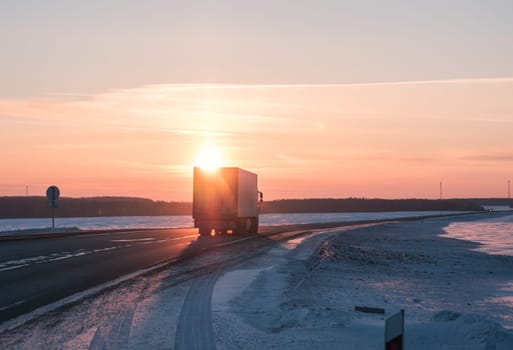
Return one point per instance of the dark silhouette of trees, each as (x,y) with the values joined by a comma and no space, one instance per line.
(327,205)
(34,207)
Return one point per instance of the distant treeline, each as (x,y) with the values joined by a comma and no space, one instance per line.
(35,207)
(367,205)
(494,201)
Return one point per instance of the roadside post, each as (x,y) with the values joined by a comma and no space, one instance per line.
(53,193)
(394,332)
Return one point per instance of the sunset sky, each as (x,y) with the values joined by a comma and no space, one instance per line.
(320,98)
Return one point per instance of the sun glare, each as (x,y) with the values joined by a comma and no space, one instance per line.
(210,159)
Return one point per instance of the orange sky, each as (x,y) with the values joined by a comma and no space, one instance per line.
(321,99)
(389,140)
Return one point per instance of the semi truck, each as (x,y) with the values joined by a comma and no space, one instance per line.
(225,200)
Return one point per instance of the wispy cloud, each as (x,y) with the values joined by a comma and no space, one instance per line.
(206,86)
(490,157)
(182,132)
(156,168)
(16,118)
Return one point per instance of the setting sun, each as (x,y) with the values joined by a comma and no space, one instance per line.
(210,158)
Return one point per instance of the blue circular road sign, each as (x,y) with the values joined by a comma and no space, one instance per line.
(53,193)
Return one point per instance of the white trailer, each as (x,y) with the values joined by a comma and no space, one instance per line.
(225,199)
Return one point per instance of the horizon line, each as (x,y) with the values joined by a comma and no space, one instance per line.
(270,200)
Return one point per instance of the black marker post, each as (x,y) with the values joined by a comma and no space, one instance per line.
(394,332)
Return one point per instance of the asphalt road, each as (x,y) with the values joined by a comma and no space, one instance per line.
(36,272)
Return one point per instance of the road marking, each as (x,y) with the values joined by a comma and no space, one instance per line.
(104,249)
(175,238)
(3,308)
(153,239)
(23,261)
(61,258)
(13,267)
(16,264)
(133,239)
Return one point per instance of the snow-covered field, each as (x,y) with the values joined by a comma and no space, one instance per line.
(302,294)
(136,222)
(453,297)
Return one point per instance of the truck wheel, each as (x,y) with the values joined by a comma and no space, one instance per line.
(203,231)
(254,225)
(248,227)
(243,226)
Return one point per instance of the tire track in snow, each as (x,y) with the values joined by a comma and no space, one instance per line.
(195,329)
(116,336)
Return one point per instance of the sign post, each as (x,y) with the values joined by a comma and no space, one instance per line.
(53,193)
(394,332)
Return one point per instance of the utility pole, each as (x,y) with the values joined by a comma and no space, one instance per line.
(440,190)
(509,190)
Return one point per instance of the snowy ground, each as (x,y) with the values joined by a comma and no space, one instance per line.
(301,295)
(454,297)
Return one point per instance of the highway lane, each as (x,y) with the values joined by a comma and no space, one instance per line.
(36,272)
